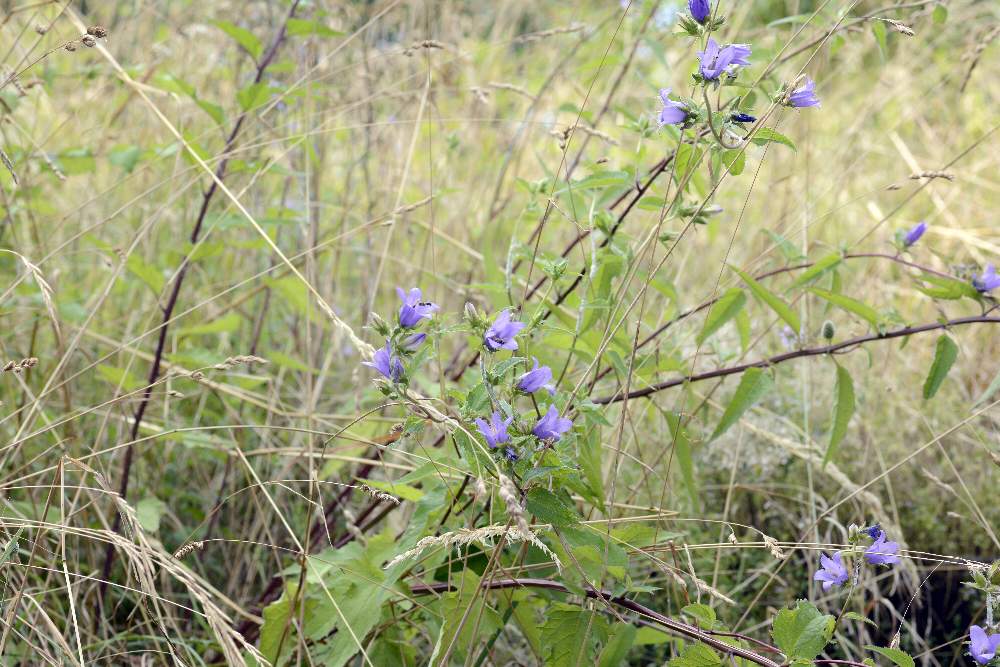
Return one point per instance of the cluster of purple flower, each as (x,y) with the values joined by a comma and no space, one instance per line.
(982,647)
(387,360)
(716,61)
(984,282)
(881,552)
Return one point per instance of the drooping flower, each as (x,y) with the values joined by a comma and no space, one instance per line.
(983,647)
(535,379)
(987,281)
(833,572)
(413,309)
(873,531)
(494,430)
(413,341)
(804,95)
(882,552)
(672,113)
(714,61)
(551,426)
(741,117)
(500,335)
(510,454)
(700,10)
(386,363)
(914,234)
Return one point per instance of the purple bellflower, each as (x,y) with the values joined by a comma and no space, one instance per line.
(714,61)
(510,454)
(535,379)
(700,10)
(882,552)
(412,342)
(551,426)
(833,572)
(672,113)
(386,363)
(413,309)
(914,234)
(873,531)
(741,117)
(494,430)
(983,647)
(500,335)
(804,95)
(987,281)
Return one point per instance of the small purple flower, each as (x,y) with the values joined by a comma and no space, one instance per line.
(987,281)
(673,113)
(700,10)
(714,61)
(833,572)
(412,342)
(914,234)
(873,531)
(982,648)
(510,454)
(535,379)
(789,339)
(413,309)
(500,335)
(741,117)
(551,426)
(386,363)
(804,95)
(494,430)
(882,552)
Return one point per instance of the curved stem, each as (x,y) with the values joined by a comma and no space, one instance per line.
(711,125)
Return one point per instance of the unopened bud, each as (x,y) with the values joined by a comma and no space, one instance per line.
(828,330)
(471,314)
(379,325)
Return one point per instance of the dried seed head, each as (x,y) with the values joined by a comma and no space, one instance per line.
(97,31)
(41,29)
(188,548)
(70,47)
(88,41)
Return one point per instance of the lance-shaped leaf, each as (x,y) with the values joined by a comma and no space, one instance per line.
(753,385)
(843,410)
(945,353)
(862,310)
(783,310)
(726,308)
(816,270)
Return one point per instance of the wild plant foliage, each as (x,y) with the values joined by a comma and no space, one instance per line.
(447,333)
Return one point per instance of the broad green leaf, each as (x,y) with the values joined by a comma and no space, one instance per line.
(736,160)
(125,157)
(225,324)
(696,655)
(616,650)
(549,508)
(148,513)
(682,450)
(764,135)
(946,288)
(147,273)
(569,634)
(703,613)
(803,632)
(250,43)
(119,377)
(899,657)
(591,456)
(843,410)
(816,270)
(862,310)
(777,305)
(945,353)
(940,14)
(277,624)
(723,310)
(404,491)
(253,96)
(753,385)
(296,27)
(213,110)
(466,605)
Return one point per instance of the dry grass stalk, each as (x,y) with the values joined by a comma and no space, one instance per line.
(19,366)
(380,495)
(485,536)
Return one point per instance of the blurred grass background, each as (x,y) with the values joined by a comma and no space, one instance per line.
(395,143)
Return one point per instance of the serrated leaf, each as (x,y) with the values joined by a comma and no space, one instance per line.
(862,310)
(945,353)
(803,632)
(753,385)
(549,508)
(696,655)
(246,39)
(569,634)
(843,410)
(148,513)
(899,657)
(703,613)
(774,303)
(723,310)
(816,270)
(765,135)
(615,651)
(855,616)
(736,160)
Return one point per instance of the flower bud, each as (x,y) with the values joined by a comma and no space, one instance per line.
(379,325)
(828,330)
(472,315)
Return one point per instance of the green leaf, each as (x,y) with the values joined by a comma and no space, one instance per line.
(147,273)
(940,14)
(777,305)
(816,270)
(696,655)
(682,449)
(297,27)
(703,613)
(243,37)
(125,157)
(894,654)
(723,310)
(253,96)
(569,634)
(765,135)
(119,377)
(616,650)
(753,385)
(802,633)
(842,412)
(945,353)
(213,110)
(992,389)
(855,616)
(225,324)
(946,288)
(788,249)
(404,491)
(862,310)
(736,160)
(277,618)
(881,37)
(11,547)
(148,513)
(549,508)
